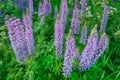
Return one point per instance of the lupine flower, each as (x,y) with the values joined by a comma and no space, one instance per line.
(75,23)
(56,12)
(104,19)
(59,32)
(101,47)
(89,51)
(16,35)
(64,12)
(83,38)
(27,3)
(3,0)
(0,12)
(29,34)
(46,8)
(20,34)
(20,4)
(31,8)
(115,0)
(83,7)
(70,55)
(40,9)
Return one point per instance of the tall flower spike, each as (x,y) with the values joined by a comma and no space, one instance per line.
(64,12)
(104,18)
(16,35)
(56,12)
(101,47)
(46,8)
(40,9)
(20,4)
(31,8)
(83,7)
(75,23)
(21,40)
(70,55)
(89,51)
(83,38)
(59,32)
(29,34)
(27,3)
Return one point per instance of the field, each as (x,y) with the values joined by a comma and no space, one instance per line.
(44,65)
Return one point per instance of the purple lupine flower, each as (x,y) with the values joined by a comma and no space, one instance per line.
(83,7)
(59,32)
(115,0)
(0,12)
(89,51)
(31,8)
(83,38)
(70,55)
(16,35)
(101,47)
(75,23)
(29,34)
(64,12)
(104,18)
(56,12)
(40,9)
(46,8)
(3,0)
(20,34)
(21,4)
(27,3)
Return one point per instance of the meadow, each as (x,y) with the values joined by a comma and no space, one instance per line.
(44,65)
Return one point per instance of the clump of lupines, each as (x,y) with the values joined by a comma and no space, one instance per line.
(29,34)
(101,47)
(59,32)
(89,51)
(104,18)
(83,7)
(17,38)
(64,12)
(75,23)
(56,12)
(40,9)
(70,55)
(31,8)
(83,38)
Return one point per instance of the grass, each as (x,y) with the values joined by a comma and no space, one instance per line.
(44,65)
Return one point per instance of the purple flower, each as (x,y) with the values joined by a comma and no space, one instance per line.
(46,8)
(59,32)
(104,19)
(75,23)
(64,12)
(89,51)
(27,3)
(31,8)
(40,9)
(70,55)
(83,38)
(17,38)
(20,4)
(29,34)
(83,7)
(101,47)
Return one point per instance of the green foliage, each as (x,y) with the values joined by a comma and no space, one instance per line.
(44,65)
